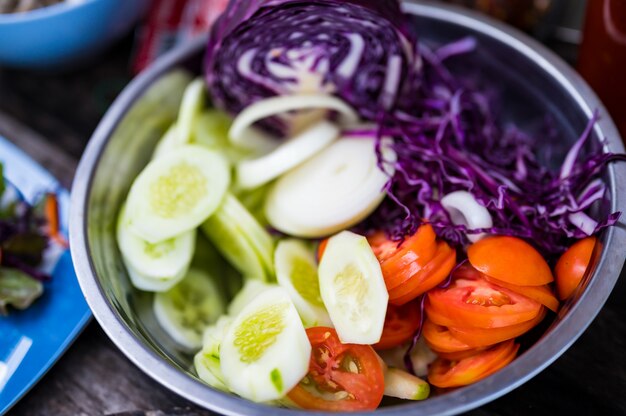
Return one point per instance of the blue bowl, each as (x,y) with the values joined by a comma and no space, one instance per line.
(65,33)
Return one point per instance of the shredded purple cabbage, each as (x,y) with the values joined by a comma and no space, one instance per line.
(359,50)
(445,132)
(22,240)
(447,140)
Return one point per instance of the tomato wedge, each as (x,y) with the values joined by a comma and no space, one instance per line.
(445,373)
(427,278)
(480,337)
(439,339)
(471,301)
(542,294)
(572,266)
(400,263)
(459,355)
(511,260)
(342,377)
(401,323)
(321,247)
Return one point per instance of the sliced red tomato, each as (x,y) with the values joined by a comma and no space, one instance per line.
(436,317)
(401,323)
(480,337)
(459,355)
(542,294)
(446,373)
(471,301)
(439,339)
(572,266)
(400,263)
(435,272)
(342,377)
(511,260)
(321,248)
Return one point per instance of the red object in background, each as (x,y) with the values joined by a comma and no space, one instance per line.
(602,59)
(172,22)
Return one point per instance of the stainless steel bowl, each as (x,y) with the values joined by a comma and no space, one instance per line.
(534,82)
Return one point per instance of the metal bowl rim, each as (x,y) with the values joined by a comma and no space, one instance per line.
(538,357)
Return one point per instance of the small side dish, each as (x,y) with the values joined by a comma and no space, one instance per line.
(348,218)
(26,232)
(22,6)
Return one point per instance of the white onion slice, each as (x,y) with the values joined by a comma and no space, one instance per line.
(332,191)
(240,131)
(257,172)
(465,210)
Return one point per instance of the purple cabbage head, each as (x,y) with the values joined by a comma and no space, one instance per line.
(359,50)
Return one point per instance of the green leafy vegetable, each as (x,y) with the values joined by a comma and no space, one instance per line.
(17,289)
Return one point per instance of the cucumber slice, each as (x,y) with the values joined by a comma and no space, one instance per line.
(207,361)
(206,257)
(211,131)
(177,192)
(296,271)
(266,351)
(254,201)
(167,143)
(160,261)
(152,284)
(251,289)
(405,386)
(190,109)
(185,311)
(333,191)
(254,173)
(241,239)
(353,289)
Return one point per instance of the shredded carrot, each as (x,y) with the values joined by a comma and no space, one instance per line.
(52,217)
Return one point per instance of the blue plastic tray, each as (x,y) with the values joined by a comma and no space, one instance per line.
(31,341)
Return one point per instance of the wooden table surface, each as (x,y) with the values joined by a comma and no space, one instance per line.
(52,117)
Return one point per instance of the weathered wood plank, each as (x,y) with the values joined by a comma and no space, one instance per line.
(46,153)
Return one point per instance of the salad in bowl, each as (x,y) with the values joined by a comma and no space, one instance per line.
(335,215)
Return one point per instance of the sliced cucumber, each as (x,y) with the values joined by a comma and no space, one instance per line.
(207,361)
(241,239)
(405,386)
(353,289)
(296,271)
(211,131)
(168,142)
(257,172)
(251,289)
(185,311)
(266,351)
(208,258)
(190,109)
(177,192)
(159,261)
(254,201)
(152,284)
(334,190)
